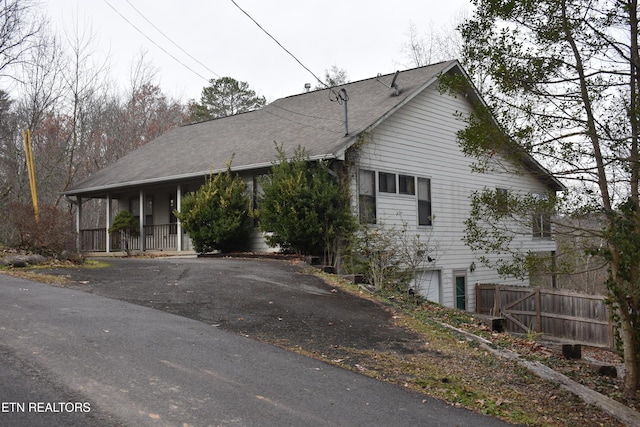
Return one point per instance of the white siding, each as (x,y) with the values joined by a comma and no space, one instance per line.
(428,285)
(420,140)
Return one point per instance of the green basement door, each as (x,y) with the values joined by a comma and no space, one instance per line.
(461,291)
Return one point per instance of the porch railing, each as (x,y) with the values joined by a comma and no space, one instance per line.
(93,240)
(156,237)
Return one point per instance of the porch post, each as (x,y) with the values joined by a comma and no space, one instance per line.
(78,223)
(141,222)
(108,222)
(178,224)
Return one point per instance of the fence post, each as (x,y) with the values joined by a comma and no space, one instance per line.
(612,330)
(496,301)
(538,312)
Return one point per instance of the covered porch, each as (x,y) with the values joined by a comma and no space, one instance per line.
(158,228)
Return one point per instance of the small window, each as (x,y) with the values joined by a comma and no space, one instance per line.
(424,201)
(502,201)
(542,226)
(134,207)
(387,182)
(406,184)
(541,222)
(367,196)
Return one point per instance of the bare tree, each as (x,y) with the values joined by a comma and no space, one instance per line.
(9,163)
(41,84)
(147,111)
(141,73)
(40,91)
(19,27)
(434,44)
(86,90)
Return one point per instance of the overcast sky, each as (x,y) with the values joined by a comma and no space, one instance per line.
(364,37)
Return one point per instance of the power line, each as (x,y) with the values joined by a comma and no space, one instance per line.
(156,44)
(268,110)
(172,42)
(305,115)
(279,44)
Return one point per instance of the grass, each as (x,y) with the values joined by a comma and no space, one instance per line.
(460,372)
(33,271)
(35,276)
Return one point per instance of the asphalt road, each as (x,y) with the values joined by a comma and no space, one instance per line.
(136,366)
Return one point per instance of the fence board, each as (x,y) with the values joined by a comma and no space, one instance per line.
(566,315)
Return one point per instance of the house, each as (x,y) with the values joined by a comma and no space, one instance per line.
(395,133)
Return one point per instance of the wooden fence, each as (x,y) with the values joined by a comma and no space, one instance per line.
(570,316)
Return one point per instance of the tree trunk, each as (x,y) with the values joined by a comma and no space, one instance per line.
(629,346)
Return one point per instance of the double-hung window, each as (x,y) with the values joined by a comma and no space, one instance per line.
(424,202)
(541,222)
(367,196)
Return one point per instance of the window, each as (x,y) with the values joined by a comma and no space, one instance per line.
(502,201)
(367,196)
(406,184)
(541,223)
(134,207)
(424,201)
(387,182)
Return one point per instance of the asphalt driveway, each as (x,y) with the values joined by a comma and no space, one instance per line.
(274,301)
(129,365)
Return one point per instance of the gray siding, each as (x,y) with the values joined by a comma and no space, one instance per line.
(420,140)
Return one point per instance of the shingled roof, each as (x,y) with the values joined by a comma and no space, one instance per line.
(312,120)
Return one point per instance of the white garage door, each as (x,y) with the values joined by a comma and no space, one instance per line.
(429,285)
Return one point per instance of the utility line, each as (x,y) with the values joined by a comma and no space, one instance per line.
(268,110)
(156,44)
(279,44)
(172,42)
(305,115)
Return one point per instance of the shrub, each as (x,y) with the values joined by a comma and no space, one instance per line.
(125,221)
(390,259)
(375,255)
(217,215)
(305,207)
(51,235)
